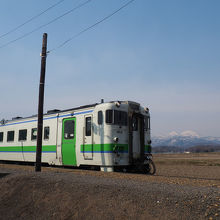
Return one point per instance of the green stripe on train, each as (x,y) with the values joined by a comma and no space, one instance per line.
(104,148)
(45,148)
(109,148)
(147,148)
(83,148)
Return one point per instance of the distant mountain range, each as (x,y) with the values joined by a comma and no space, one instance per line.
(185,139)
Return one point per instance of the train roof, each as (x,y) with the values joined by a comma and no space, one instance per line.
(49,112)
(56,111)
(70,109)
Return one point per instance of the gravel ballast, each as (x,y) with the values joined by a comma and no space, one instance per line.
(59,193)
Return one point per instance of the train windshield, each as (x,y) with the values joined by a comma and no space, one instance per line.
(147,123)
(116,117)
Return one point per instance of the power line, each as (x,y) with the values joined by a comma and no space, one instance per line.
(31,19)
(92,26)
(50,22)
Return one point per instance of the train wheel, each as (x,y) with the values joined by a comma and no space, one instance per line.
(150,168)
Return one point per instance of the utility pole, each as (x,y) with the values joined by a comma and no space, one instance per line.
(41,104)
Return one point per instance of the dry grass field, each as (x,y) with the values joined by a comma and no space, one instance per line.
(203,159)
(186,186)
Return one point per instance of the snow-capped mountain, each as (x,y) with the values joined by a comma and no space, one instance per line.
(184,139)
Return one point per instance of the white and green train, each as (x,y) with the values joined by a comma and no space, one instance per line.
(107,135)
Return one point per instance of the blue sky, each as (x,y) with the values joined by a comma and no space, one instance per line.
(163,54)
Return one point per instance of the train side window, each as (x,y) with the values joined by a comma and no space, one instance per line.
(46,133)
(109,116)
(100,117)
(88,126)
(22,135)
(34,134)
(1,136)
(69,129)
(10,136)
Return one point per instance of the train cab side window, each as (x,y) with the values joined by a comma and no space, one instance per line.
(100,117)
(46,133)
(88,126)
(22,135)
(109,116)
(1,136)
(10,136)
(34,134)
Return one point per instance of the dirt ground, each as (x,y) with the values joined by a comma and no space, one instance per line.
(186,186)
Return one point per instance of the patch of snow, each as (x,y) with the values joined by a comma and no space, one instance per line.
(173,133)
(189,133)
(173,141)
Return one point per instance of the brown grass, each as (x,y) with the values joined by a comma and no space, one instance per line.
(197,159)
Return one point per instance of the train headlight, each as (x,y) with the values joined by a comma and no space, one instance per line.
(146,109)
(115,139)
(117,104)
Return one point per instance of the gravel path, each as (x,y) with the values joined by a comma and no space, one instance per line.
(75,194)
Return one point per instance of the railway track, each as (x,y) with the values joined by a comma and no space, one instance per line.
(161,177)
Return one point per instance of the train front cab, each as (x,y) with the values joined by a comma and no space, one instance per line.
(127,128)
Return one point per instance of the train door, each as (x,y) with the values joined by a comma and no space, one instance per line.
(87,147)
(136,137)
(69,141)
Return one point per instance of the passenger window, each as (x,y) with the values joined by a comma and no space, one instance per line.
(88,126)
(108,116)
(46,133)
(69,129)
(22,135)
(1,136)
(10,135)
(100,117)
(33,134)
